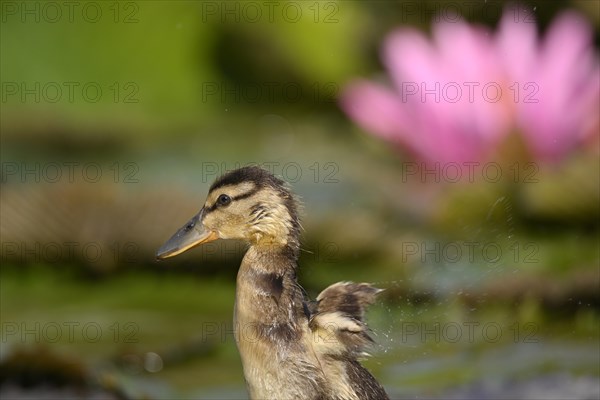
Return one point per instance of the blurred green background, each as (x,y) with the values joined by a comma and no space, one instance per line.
(116,117)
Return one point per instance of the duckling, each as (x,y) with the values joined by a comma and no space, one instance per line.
(290,348)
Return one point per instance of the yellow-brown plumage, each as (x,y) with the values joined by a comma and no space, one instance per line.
(290,348)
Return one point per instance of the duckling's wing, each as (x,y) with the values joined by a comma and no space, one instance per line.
(338,318)
(340,336)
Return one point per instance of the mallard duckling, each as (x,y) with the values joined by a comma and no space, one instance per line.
(290,348)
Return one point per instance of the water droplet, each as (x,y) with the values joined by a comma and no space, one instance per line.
(153,362)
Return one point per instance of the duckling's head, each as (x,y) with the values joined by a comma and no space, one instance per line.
(248,203)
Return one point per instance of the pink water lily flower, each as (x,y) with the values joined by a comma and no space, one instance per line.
(456,97)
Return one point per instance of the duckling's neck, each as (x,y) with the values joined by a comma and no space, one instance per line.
(267,293)
(268,297)
(269,315)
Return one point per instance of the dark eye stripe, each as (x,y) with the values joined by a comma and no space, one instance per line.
(245,195)
(234,198)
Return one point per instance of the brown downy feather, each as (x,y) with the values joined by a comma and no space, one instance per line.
(337,317)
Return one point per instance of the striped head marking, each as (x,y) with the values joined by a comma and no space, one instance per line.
(249,204)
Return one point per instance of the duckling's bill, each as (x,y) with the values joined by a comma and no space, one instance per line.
(192,234)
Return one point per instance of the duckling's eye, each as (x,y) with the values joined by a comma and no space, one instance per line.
(223,200)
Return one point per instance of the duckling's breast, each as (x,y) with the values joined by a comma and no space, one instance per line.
(271,331)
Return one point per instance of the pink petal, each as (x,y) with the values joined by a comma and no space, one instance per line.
(555,125)
(567,38)
(375,108)
(466,52)
(517,46)
(410,58)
